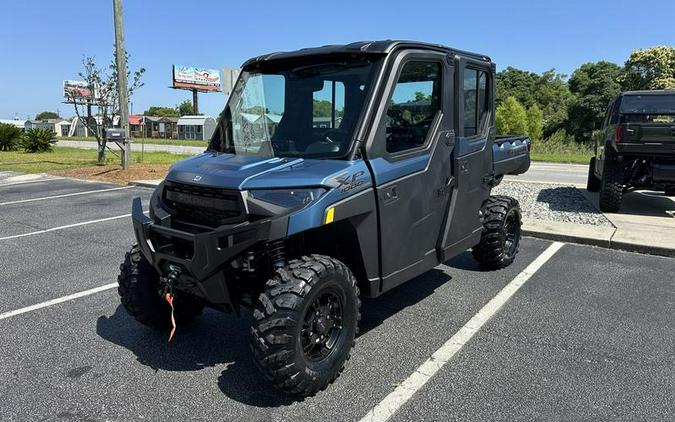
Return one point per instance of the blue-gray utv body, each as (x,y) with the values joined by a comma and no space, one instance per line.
(380,154)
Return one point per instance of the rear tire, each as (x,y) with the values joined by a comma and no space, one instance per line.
(305,324)
(593,183)
(611,190)
(139,292)
(500,240)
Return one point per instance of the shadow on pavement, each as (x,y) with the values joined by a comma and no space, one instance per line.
(567,199)
(214,339)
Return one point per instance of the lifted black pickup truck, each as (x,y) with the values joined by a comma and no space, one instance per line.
(637,150)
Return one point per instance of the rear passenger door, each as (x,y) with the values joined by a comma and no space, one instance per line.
(472,155)
(413,165)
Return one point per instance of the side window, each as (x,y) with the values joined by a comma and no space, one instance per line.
(608,115)
(614,116)
(413,106)
(476,100)
(470,96)
(328,105)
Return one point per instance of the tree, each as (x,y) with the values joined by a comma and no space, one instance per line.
(46,115)
(548,90)
(511,118)
(38,140)
(593,85)
(535,122)
(650,68)
(185,108)
(10,137)
(161,111)
(103,84)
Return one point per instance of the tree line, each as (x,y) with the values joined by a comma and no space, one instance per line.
(549,105)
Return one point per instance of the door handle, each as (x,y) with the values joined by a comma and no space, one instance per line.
(390,194)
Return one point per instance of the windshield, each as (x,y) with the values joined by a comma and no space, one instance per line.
(648,104)
(292,109)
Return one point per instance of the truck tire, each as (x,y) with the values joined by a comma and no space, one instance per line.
(139,292)
(305,323)
(611,189)
(500,240)
(593,183)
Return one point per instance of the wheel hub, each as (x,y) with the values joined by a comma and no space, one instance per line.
(322,326)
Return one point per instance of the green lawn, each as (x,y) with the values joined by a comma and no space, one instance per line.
(183,142)
(65,158)
(562,157)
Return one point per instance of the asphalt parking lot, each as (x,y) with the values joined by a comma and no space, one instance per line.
(590,335)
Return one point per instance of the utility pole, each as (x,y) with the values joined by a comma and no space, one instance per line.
(122,93)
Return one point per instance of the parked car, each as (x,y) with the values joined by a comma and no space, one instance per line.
(637,147)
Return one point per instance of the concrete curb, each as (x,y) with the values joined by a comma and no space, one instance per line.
(590,235)
(145,183)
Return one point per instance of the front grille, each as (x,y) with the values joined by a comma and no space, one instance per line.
(203,206)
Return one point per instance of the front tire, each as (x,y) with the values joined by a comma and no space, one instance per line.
(305,324)
(500,239)
(139,292)
(593,183)
(611,191)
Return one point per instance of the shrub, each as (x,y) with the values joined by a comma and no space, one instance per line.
(38,140)
(511,118)
(10,137)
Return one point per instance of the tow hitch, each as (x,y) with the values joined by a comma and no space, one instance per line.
(168,284)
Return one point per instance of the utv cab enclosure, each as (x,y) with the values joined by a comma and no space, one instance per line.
(334,172)
(636,149)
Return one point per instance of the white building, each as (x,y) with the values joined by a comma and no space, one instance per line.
(59,126)
(196,127)
(18,123)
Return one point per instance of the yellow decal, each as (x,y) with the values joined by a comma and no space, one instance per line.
(329,215)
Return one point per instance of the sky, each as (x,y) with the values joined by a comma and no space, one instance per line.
(43,42)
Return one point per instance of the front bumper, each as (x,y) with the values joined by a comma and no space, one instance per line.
(205,255)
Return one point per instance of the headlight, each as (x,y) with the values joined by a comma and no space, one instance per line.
(287,198)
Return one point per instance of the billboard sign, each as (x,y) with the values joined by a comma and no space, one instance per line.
(200,78)
(78,92)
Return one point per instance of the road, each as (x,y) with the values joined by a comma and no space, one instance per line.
(572,174)
(589,335)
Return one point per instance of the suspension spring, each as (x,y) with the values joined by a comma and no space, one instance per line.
(277,254)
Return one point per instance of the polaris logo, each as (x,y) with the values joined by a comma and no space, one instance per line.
(197,178)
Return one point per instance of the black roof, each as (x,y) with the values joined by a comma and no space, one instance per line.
(362,47)
(650,92)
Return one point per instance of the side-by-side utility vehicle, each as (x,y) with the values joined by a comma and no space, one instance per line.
(334,172)
(636,149)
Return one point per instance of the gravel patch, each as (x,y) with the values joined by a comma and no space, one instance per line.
(562,203)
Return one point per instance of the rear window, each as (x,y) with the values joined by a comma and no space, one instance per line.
(648,104)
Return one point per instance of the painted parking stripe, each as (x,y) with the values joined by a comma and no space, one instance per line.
(44,198)
(401,394)
(68,226)
(57,301)
(23,182)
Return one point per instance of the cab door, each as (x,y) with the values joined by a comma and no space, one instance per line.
(413,170)
(472,155)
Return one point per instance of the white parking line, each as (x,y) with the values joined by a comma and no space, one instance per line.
(44,198)
(53,229)
(57,301)
(401,394)
(23,182)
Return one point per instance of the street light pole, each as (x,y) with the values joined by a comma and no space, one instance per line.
(122,93)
